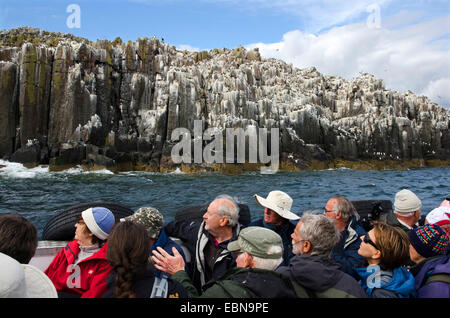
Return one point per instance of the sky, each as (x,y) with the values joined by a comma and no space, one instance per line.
(405,43)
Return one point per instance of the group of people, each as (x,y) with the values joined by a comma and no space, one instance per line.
(281,255)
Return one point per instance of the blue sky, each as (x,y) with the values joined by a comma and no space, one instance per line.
(406,43)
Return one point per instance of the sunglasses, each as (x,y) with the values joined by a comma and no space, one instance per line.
(367,240)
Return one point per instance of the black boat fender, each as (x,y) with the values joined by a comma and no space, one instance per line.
(370,210)
(61,227)
(195,213)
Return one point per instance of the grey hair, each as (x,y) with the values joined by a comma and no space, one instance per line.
(227,210)
(321,232)
(346,208)
(269,263)
(405,214)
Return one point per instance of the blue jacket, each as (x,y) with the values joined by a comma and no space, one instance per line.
(285,231)
(423,270)
(345,251)
(399,282)
(165,243)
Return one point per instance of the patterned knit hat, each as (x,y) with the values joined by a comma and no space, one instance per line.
(429,240)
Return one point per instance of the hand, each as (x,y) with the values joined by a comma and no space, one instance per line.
(166,262)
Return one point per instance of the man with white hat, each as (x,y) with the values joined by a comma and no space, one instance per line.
(277,216)
(446,202)
(18,243)
(81,268)
(407,207)
(23,280)
(440,216)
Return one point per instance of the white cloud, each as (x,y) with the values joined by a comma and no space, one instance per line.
(406,58)
(187,47)
(439,91)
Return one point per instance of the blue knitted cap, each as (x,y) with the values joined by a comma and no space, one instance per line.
(99,221)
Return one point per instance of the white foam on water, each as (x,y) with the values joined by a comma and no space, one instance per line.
(79,170)
(337,169)
(18,170)
(177,171)
(103,171)
(73,170)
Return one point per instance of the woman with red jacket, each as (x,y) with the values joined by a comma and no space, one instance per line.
(81,268)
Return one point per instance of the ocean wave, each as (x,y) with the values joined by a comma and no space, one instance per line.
(18,170)
(177,171)
(337,169)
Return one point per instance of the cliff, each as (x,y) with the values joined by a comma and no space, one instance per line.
(66,100)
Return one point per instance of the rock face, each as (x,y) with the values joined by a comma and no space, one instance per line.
(67,101)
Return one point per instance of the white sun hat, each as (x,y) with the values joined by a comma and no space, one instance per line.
(12,278)
(23,280)
(439,216)
(38,284)
(279,202)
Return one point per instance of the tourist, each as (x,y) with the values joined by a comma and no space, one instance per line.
(81,268)
(312,267)
(446,202)
(207,240)
(427,247)
(385,249)
(343,213)
(260,252)
(406,214)
(18,240)
(133,276)
(277,216)
(441,217)
(153,221)
(18,237)
(23,280)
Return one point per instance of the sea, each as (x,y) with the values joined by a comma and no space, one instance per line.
(39,194)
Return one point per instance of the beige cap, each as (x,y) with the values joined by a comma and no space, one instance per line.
(406,201)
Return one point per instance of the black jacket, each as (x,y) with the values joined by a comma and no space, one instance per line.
(143,285)
(197,240)
(322,276)
(285,232)
(244,283)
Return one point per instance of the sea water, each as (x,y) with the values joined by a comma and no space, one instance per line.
(38,194)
